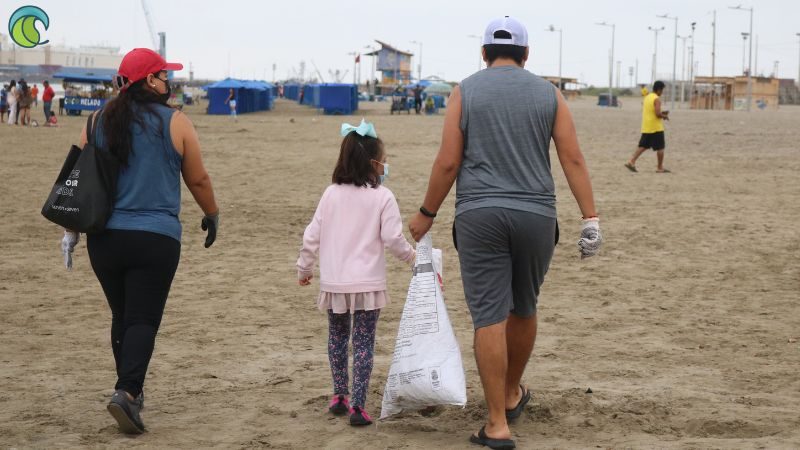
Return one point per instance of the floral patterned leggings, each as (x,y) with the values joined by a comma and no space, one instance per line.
(364,324)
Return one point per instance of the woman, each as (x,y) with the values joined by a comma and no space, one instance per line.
(135,259)
(24,104)
(12,102)
(231,101)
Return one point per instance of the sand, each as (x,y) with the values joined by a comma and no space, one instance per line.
(685,328)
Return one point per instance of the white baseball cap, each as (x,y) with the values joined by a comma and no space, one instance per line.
(519,35)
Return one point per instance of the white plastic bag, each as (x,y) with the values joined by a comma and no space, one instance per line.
(426,369)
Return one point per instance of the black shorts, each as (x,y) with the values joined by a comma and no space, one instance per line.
(652,140)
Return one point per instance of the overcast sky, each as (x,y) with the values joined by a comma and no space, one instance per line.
(254,35)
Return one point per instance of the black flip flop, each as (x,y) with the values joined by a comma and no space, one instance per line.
(483,439)
(513,414)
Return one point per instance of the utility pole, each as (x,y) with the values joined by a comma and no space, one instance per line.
(655,31)
(755,66)
(637,72)
(674,59)
(610,61)
(619,72)
(750,65)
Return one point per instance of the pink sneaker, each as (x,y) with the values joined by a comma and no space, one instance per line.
(359,417)
(339,405)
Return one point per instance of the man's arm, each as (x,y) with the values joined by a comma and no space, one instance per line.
(445,167)
(659,113)
(571,158)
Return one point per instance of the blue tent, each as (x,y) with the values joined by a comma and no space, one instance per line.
(291,91)
(250,96)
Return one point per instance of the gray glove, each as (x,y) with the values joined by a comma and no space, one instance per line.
(591,239)
(68,243)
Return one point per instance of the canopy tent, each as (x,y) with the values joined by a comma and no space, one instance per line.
(250,95)
(423,83)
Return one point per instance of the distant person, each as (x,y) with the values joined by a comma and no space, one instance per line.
(231,102)
(352,267)
(13,101)
(47,100)
(24,104)
(652,129)
(3,102)
(136,257)
(35,95)
(418,98)
(505,217)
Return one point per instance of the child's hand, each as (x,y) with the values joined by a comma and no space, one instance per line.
(304,279)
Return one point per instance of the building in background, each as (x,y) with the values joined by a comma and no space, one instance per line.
(731,93)
(394,66)
(42,62)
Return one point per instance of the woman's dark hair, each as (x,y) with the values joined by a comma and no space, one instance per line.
(12,83)
(119,115)
(494,51)
(354,165)
(658,85)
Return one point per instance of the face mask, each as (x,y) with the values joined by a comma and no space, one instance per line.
(385,173)
(165,96)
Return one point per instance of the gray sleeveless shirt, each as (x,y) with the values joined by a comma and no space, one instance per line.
(507,117)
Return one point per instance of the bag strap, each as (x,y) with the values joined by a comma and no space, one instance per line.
(91,130)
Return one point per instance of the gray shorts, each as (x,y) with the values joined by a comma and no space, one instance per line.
(504,256)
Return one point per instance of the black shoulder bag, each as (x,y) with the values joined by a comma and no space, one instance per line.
(82,197)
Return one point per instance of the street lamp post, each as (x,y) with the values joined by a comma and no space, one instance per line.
(750,64)
(674,59)
(560,39)
(480,56)
(655,31)
(798,60)
(610,60)
(419,66)
(372,69)
(691,64)
(744,52)
(683,69)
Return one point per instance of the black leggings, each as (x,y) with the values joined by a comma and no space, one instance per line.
(135,269)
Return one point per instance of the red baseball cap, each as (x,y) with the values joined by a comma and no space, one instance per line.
(140,62)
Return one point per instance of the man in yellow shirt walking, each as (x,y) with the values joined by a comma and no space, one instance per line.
(652,129)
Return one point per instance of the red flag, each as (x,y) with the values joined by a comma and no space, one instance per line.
(358,58)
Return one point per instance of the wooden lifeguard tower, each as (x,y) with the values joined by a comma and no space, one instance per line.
(394,66)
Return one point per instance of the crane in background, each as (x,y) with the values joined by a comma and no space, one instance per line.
(159,38)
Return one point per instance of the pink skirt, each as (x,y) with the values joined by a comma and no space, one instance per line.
(360,301)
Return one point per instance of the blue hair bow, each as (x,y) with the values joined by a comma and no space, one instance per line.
(363,129)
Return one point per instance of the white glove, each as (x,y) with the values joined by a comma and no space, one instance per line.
(589,243)
(68,243)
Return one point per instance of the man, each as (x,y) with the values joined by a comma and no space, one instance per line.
(652,128)
(47,101)
(35,95)
(418,98)
(496,138)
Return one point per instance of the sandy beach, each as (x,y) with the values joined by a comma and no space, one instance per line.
(685,327)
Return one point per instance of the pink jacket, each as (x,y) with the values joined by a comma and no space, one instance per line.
(350,229)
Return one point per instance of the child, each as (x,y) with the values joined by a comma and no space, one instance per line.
(355,219)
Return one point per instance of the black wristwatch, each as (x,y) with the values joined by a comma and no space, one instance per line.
(427,213)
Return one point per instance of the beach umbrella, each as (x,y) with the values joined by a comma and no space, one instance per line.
(438,88)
